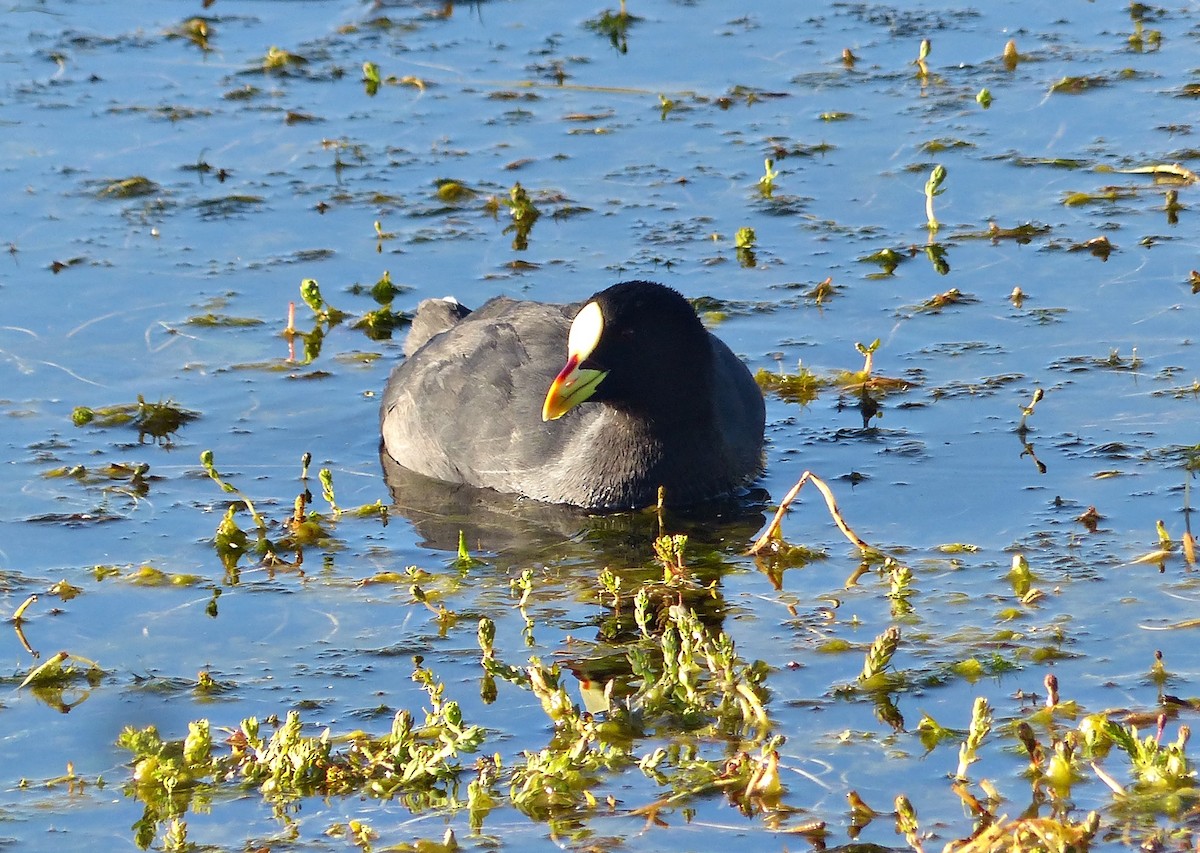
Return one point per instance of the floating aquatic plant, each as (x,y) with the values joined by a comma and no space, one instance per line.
(933,188)
(524,214)
(614,25)
(417,760)
(159,420)
(131,187)
(766,184)
(744,242)
(801,387)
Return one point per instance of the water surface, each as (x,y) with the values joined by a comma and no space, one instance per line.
(643,154)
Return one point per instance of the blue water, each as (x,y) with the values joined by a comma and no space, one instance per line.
(91,93)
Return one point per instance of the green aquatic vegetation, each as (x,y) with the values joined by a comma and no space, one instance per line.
(922,55)
(196,30)
(1021,577)
(614,26)
(61,682)
(870,388)
(1050,834)
(381,236)
(303,528)
(933,734)
(886,259)
(464,561)
(766,184)
(521,587)
(802,386)
(384,291)
(748,95)
(780,556)
(906,823)
(679,583)
(751,782)
(981,725)
(222,321)
(128,478)
(937,255)
(1157,767)
(416,760)
(378,324)
(1113,361)
(147,575)
(933,188)
(444,617)
(131,187)
(879,658)
(743,243)
(610,583)
(1074,85)
(558,780)
(1174,207)
(63,669)
(1104,195)
(356,150)
(159,420)
(207,460)
(680,680)
(695,679)
(278,60)
(942,144)
(63,589)
(901,590)
(939,301)
(669,549)
(823,291)
(381,323)
(371,78)
(325,316)
(771,539)
(683,675)
(454,192)
(1010,57)
(1021,234)
(782,149)
(310,292)
(523,213)
(430,597)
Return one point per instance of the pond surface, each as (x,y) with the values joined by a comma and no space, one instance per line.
(171,180)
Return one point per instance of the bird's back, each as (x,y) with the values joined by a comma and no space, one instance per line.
(466,406)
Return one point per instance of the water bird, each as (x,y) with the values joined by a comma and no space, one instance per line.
(647,397)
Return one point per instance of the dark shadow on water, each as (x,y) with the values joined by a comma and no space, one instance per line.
(516,530)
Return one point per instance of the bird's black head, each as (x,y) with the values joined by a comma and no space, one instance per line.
(637,346)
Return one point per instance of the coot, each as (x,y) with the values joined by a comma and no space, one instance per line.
(647,398)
